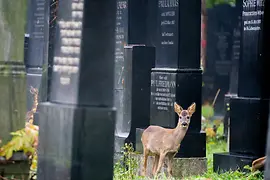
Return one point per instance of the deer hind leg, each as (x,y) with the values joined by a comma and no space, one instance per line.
(145,154)
(170,159)
(160,163)
(155,164)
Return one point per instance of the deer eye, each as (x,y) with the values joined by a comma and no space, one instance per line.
(180,117)
(187,117)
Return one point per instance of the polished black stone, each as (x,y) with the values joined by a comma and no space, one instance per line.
(248,125)
(253,71)
(135,96)
(130,29)
(139,60)
(223,162)
(177,33)
(169,86)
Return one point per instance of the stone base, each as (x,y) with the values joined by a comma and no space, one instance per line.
(230,161)
(75,142)
(182,167)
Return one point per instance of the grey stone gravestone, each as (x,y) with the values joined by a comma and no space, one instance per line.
(249,110)
(77,124)
(12,68)
(37,49)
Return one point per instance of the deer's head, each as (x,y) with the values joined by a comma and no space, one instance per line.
(184,115)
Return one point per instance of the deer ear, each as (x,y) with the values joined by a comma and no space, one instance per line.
(177,108)
(192,108)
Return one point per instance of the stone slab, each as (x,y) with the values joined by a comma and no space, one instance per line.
(182,167)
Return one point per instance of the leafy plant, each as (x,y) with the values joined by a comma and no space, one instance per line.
(207,111)
(26,139)
(126,167)
(211,3)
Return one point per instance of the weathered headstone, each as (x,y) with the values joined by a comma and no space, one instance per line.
(130,29)
(218,64)
(37,50)
(177,76)
(77,124)
(12,68)
(249,111)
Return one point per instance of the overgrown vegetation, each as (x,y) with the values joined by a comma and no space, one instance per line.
(25,140)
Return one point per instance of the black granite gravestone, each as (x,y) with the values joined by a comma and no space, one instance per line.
(12,68)
(235,56)
(249,111)
(77,124)
(218,65)
(37,50)
(139,60)
(130,29)
(177,76)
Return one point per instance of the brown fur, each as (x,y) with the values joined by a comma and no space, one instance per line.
(162,142)
(258,163)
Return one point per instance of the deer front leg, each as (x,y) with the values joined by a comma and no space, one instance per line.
(146,154)
(170,159)
(160,163)
(155,164)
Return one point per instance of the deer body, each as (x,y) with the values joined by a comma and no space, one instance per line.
(162,142)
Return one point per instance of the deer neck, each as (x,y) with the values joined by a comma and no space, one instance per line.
(180,132)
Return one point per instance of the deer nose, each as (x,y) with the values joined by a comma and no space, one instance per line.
(184,124)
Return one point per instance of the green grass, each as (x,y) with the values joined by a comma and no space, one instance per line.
(213,146)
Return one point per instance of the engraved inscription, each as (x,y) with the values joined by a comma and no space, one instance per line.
(167,33)
(120,30)
(39,19)
(162,92)
(120,40)
(168,18)
(67,61)
(252,12)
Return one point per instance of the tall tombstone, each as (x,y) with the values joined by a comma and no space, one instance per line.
(218,65)
(76,138)
(235,57)
(249,110)
(177,76)
(130,29)
(37,49)
(12,68)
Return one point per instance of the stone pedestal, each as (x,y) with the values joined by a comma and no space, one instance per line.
(182,167)
(249,110)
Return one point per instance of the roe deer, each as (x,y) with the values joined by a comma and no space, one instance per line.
(258,163)
(162,142)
